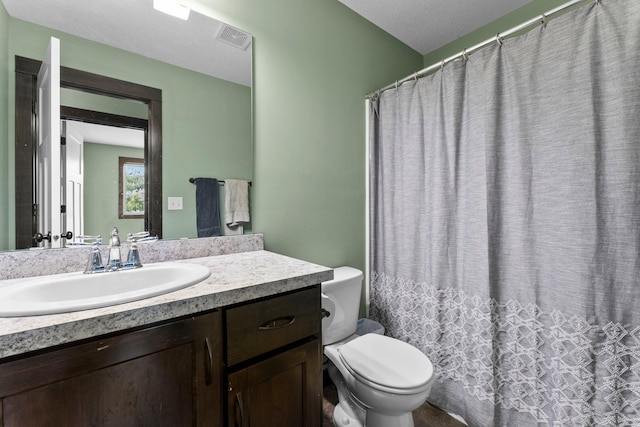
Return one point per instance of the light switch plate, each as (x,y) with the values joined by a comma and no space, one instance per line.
(174,203)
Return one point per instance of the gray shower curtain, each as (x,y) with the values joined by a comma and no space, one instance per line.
(505,233)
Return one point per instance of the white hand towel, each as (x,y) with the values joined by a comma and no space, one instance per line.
(236,201)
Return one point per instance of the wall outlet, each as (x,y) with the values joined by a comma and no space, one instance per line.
(174,203)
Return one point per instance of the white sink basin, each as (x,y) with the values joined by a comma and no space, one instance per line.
(77,291)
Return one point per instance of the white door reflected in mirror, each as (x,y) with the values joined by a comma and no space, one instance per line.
(74,179)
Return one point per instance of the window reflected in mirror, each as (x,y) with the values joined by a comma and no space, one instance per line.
(131,185)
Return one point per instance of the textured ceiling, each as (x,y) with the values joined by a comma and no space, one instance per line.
(426,25)
(134,26)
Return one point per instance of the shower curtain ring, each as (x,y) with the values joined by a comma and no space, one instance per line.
(464,55)
(442,65)
(415,76)
(396,85)
(499,39)
(544,20)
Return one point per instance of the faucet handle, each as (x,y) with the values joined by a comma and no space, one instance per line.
(133,257)
(137,237)
(94,264)
(84,240)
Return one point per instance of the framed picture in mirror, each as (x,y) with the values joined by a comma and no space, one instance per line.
(131,188)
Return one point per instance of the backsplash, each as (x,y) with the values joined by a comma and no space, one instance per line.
(40,262)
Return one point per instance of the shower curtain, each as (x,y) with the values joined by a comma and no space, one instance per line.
(505,223)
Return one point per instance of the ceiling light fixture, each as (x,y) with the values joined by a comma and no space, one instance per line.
(170,7)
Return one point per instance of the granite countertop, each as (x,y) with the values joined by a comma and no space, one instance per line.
(234,278)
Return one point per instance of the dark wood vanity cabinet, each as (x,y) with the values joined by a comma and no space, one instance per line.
(166,375)
(274,357)
(255,364)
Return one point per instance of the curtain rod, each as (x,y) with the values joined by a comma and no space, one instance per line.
(538,20)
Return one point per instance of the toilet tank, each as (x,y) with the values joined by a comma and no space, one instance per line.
(341,300)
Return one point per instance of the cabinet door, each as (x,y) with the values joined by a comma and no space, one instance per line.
(168,375)
(282,391)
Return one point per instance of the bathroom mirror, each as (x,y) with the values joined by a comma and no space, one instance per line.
(195,139)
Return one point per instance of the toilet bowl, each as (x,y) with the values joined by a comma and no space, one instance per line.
(380,380)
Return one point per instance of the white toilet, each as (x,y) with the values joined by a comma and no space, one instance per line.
(380,380)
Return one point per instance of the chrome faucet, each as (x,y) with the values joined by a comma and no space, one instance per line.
(115,261)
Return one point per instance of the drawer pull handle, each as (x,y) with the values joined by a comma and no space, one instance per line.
(209,364)
(280,322)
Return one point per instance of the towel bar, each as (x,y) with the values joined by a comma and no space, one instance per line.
(220,181)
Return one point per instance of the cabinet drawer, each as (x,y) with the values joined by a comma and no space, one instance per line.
(262,326)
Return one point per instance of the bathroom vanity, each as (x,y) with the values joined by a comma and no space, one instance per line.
(241,348)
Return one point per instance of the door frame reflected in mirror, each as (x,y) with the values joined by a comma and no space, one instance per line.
(26,72)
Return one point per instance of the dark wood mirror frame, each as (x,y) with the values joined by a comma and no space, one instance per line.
(26,72)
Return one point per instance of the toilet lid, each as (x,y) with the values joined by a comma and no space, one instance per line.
(387,362)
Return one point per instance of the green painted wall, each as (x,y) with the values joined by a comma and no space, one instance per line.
(504,23)
(314,62)
(101,190)
(4,131)
(206,121)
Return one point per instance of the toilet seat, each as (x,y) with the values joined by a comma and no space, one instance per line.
(387,364)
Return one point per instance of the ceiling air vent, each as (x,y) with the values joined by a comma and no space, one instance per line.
(233,36)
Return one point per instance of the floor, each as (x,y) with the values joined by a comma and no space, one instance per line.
(425,416)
